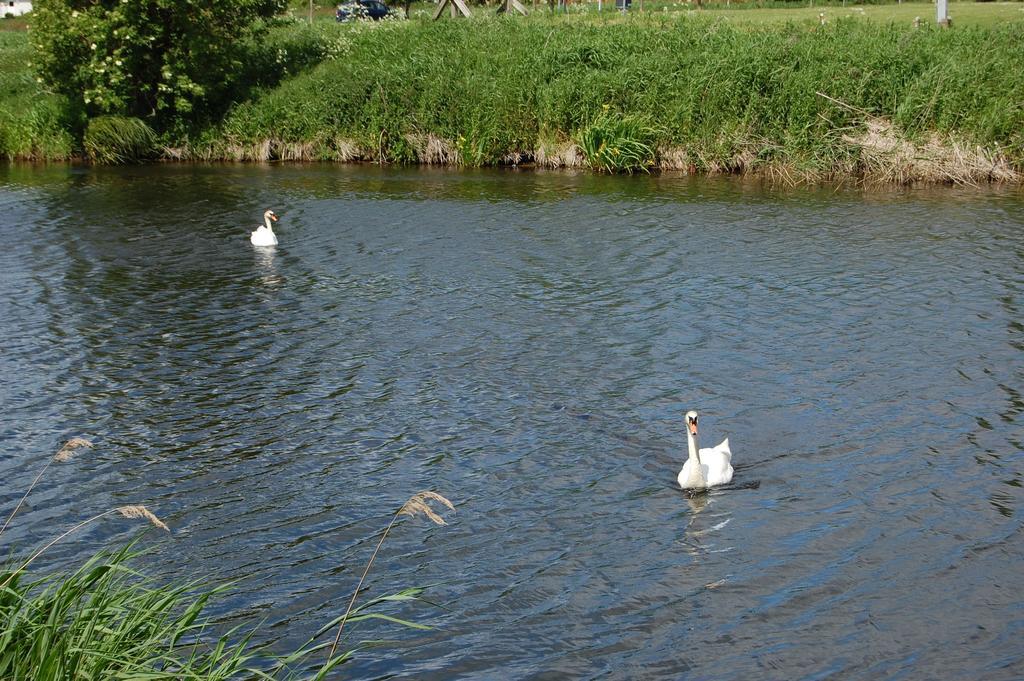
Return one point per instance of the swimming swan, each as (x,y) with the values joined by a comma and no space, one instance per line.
(264,234)
(705,467)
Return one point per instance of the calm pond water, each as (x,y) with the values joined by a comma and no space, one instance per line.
(526,344)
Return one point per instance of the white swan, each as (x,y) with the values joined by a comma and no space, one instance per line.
(264,234)
(705,467)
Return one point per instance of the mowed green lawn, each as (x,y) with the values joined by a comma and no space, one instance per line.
(962,13)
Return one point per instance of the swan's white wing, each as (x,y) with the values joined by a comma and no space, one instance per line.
(263,237)
(722,450)
(717,463)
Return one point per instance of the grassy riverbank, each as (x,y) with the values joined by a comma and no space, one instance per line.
(692,91)
(797,100)
(34,124)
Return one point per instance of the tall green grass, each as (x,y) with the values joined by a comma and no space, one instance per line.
(618,145)
(118,139)
(107,620)
(716,92)
(34,124)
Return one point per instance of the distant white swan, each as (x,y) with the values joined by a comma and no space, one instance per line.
(705,467)
(264,234)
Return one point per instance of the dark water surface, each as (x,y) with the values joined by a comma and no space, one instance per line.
(526,343)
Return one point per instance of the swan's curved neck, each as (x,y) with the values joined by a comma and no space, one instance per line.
(266,221)
(694,444)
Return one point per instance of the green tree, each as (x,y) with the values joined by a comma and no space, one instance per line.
(167,61)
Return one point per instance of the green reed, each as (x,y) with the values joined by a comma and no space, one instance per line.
(615,144)
(719,95)
(119,139)
(105,619)
(34,125)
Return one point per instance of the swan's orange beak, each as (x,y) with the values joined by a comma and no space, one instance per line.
(273,217)
(693,427)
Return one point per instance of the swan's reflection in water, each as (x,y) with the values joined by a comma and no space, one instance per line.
(697,502)
(267,267)
(702,524)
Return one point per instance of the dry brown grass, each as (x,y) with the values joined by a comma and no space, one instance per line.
(67,452)
(131,512)
(433,150)
(516,158)
(416,505)
(258,152)
(294,151)
(878,153)
(887,156)
(883,154)
(559,155)
(338,149)
(785,175)
(64,454)
(346,151)
(675,158)
(142,512)
(173,153)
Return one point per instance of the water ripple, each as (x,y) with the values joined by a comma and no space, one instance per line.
(526,343)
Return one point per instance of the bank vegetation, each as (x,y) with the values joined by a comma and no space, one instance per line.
(687,92)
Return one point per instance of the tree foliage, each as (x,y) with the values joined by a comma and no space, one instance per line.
(164,60)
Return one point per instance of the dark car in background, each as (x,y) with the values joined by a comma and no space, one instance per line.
(362,9)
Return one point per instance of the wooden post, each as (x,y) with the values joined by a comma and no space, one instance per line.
(509,6)
(942,13)
(310,12)
(455,8)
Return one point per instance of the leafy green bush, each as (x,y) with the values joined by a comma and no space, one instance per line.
(148,58)
(118,139)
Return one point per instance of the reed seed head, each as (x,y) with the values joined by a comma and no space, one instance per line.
(67,452)
(142,512)
(418,504)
